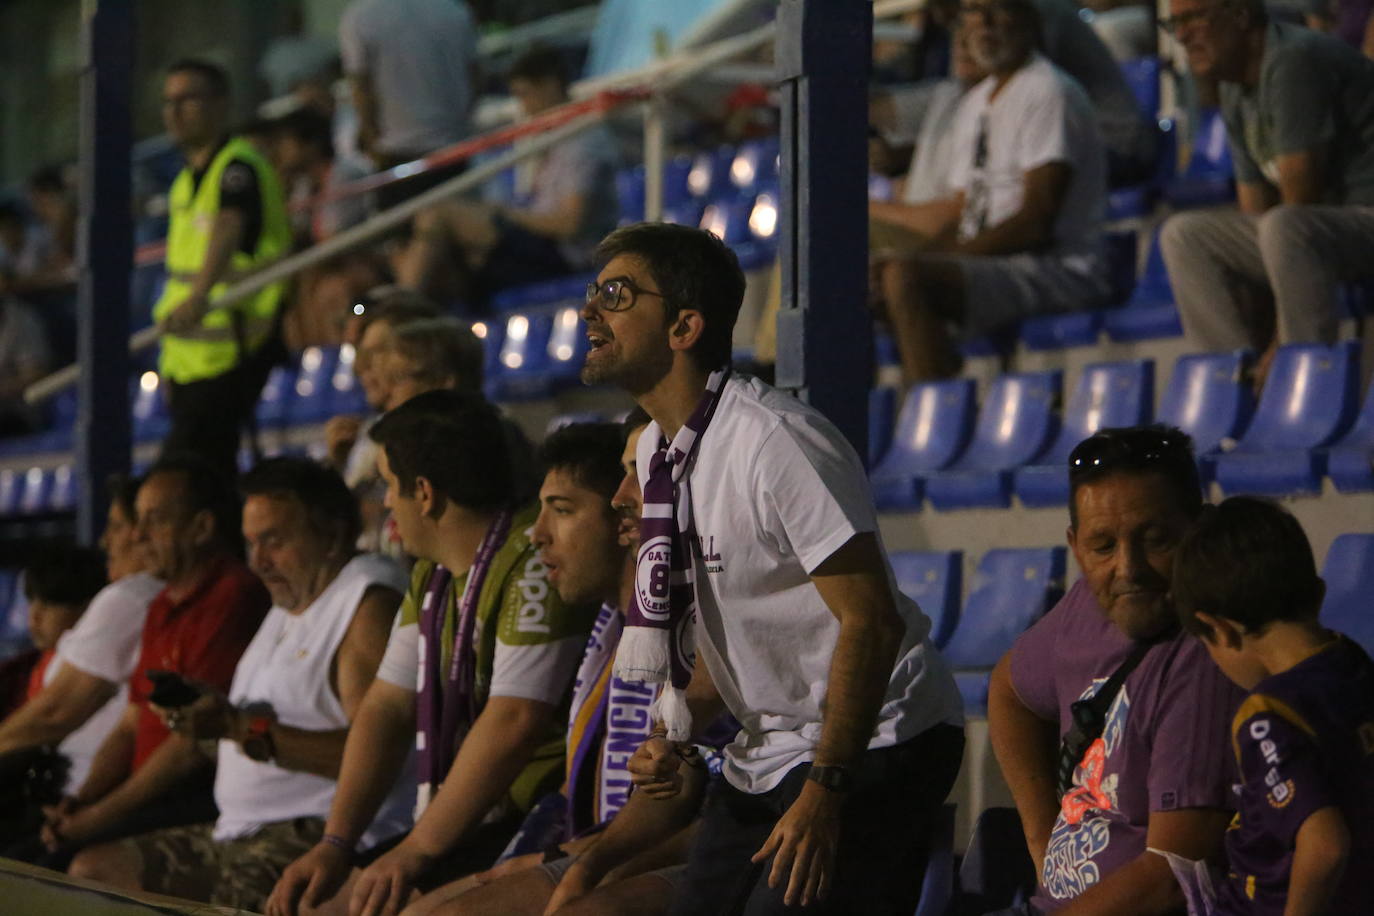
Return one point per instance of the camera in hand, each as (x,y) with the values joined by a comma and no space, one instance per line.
(170,690)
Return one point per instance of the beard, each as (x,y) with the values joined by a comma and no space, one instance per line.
(632,377)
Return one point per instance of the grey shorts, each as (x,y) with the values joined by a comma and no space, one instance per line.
(555,870)
(1001,290)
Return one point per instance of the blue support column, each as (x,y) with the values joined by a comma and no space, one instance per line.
(105,256)
(825,336)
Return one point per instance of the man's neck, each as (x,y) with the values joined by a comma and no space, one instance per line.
(198,157)
(1286,644)
(671,402)
(183,584)
(1000,78)
(322,579)
(460,535)
(1254,57)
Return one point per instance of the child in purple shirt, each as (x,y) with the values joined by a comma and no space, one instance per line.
(1245,582)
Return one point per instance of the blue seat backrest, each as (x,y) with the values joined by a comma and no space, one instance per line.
(277,393)
(882,408)
(934,580)
(763,214)
(675,185)
(568,340)
(934,424)
(1211,149)
(709,177)
(1016,423)
(629,191)
(1309,398)
(34,499)
(1142,75)
(1208,398)
(11,490)
(1349,575)
(148,402)
(1153,284)
(1012,589)
(1362,433)
(526,340)
(314,379)
(63,489)
(728,217)
(1107,394)
(755,163)
(346,392)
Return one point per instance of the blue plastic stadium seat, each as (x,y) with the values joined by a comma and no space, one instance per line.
(1016,424)
(1107,394)
(629,192)
(882,412)
(709,177)
(937,884)
(932,430)
(728,217)
(313,386)
(493,336)
(346,395)
(63,490)
(1055,332)
(11,491)
(1012,589)
(1350,462)
(755,164)
(530,295)
(933,579)
(1149,313)
(149,406)
(996,871)
(521,372)
(1309,400)
(1209,399)
(684,213)
(1142,75)
(33,499)
(277,393)
(1349,576)
(760,249)
(1209,176)
(567,346)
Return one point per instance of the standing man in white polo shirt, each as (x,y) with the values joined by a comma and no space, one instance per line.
(759,543)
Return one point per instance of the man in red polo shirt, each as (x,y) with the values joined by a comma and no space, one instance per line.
(143,777)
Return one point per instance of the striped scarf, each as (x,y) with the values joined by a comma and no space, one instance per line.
(654,645)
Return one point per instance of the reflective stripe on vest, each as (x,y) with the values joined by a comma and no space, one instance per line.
(213,348)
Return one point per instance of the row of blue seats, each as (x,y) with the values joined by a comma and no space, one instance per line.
(1307,424)
(1013,588)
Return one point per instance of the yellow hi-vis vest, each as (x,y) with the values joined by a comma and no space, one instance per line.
(213,348)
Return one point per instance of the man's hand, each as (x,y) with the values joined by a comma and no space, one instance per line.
(655,768)
(804,842)
(384,888)
(187,316)
(310,880)
(340,433)
(577,882)
(69,825)
(209,718)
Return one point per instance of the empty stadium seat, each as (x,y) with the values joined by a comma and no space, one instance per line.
(1309,400)
(1208,177)
(522,367)
(934,580)
(755,164)
(882,410)
(709,177)
(1079,329)
(149,406)
(63,490)
(1349,576)
(346,396)
(1011,590)
(728,217)
(276,395)
(1142,75)
(1350,462)
(567,347)
(11,490)
(1107,394)
(1209,399)
(629,192)
(1016,424)
(1149,313)
(932,430)
(493,336)
(33,498)
(312,397)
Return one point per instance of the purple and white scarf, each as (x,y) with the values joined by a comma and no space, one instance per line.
(654,645)
(446,708)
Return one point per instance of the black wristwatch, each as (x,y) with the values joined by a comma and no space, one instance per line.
(833,779)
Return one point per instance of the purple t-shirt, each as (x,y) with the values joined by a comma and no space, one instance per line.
(1305,741)
(1163,747)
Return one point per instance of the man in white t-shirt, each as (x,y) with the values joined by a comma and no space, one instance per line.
(85,683)
(1019,235)
(279,735)
(851,726)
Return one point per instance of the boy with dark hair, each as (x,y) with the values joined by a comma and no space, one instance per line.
(1246,584)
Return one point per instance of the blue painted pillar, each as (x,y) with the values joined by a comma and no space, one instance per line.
(825,336)
(104,256)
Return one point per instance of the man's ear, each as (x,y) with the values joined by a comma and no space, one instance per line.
(1225,633)
(686,329)
(425,495)
(202,527)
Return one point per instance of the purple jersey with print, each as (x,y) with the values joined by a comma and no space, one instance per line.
(1305,741)
(1163,746)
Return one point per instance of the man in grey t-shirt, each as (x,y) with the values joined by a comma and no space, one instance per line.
(1299,111)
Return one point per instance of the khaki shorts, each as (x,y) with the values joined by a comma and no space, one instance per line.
(187,862)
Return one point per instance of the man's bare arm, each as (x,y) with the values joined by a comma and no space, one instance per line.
(58,710)
(1026,747)
(226,235)
(380,738)
(934,222)
(1302,176)
(1256,197)
(113,759)
(1319,859)
(1032,226)
(174,760)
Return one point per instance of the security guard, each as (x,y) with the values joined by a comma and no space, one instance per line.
(227,219)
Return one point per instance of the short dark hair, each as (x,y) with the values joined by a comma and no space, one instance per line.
(442,348)
(65,574)
(590,452)
(1152,449)
(308,126)
(208,490)
(48,180)
(537,64)
(393,305)
(456,441)
(694,269)
(122,490)
(1247,560)
(636,418)
(215,77)
(329,505)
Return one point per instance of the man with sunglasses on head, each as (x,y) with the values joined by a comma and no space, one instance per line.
(1111,725)
(762,586)
(1018,234)
(1299,112)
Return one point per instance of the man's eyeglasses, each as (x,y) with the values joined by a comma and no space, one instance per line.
(1126,448)
(618,294)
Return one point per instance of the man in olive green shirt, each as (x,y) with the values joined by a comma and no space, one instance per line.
(449,489)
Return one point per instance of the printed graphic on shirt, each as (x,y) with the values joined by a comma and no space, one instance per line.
(1082,831)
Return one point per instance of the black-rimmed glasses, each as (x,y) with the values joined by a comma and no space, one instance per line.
(618,294)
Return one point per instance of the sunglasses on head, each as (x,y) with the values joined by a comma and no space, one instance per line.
(1132,448)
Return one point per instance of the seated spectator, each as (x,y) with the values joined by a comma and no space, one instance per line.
(25,356)
(494,667)
(1246,584)
(144,777)
(1019,234)
(54,206)
(281,730)
(552,227)
(1299,111)
(18,241)
(1105,788)
(84,688)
